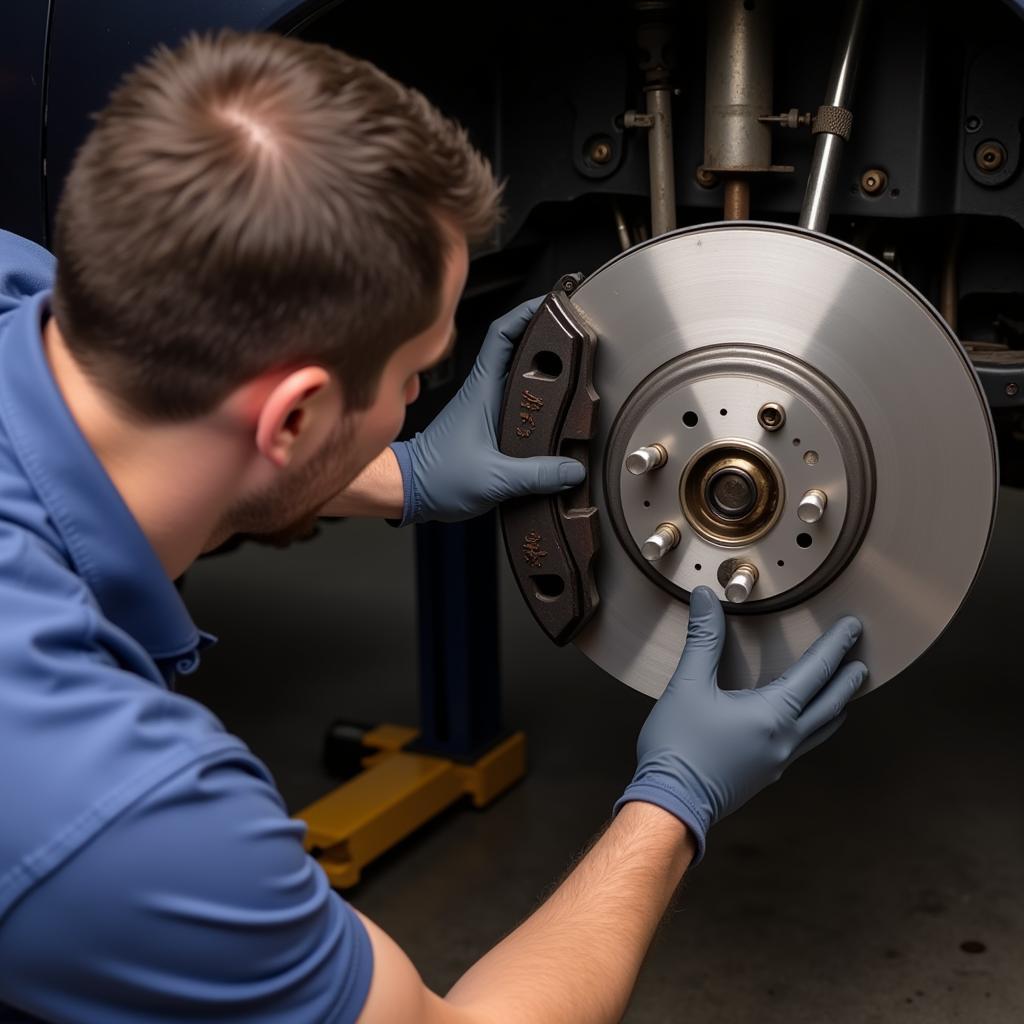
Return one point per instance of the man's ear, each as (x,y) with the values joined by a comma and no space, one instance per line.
(292,411)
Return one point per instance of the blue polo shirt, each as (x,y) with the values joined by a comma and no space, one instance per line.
(148,868)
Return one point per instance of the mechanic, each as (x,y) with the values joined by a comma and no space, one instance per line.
(261,244)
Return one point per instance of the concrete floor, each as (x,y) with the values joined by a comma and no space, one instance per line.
(881,880)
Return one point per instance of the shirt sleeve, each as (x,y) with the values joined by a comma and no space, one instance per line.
(25,269)
(198,903)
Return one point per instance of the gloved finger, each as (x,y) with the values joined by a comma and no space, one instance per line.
(817,738)
(705,638)
(541,474)
(798,684)
(834,697)
(502,336)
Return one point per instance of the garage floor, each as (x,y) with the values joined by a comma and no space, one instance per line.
(881,880)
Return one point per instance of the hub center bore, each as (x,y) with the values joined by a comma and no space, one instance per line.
(731,492)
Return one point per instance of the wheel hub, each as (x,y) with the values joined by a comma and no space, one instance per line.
(775,423)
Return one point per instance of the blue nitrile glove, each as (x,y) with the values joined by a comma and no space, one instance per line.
(453,469)
(703,751)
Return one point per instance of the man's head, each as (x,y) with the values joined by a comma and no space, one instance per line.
(331,449)
(252,210)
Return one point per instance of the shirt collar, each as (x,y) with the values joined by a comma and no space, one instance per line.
(106,545)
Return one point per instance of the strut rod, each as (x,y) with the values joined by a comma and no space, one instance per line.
(832,122)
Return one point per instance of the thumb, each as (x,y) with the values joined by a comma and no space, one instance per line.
(705,637)
(496,351)
(542,474)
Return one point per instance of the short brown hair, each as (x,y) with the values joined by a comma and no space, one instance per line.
(250,201)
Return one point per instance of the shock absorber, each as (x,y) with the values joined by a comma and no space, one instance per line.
(738,101)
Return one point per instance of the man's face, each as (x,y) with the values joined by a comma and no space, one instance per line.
(357,438)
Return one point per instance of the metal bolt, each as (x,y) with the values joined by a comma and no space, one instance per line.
(661,542)
(873,181)
(706,178)
(1012,388)
(792,118)
(643,460)
(741,583)
(634,119)
(601,151)
(812,506)
(771,416)
(990,156)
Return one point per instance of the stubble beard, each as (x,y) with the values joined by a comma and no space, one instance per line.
(290,509)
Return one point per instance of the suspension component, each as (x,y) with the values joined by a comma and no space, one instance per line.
(832,123)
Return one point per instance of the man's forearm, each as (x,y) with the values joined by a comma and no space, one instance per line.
(376,492)
(576,959)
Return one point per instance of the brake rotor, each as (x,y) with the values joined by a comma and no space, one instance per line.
(803,434)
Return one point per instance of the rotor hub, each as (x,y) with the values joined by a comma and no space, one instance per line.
(734,487)
(775,423)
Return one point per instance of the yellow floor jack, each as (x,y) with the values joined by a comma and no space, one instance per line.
(401,777)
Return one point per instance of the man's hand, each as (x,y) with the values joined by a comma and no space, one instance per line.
(703,751)
(453,469)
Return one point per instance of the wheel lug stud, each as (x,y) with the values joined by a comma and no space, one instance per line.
(812,506)
(661,542)
(741,583)
(646,459)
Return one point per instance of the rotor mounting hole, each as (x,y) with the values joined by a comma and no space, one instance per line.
(545,366)
(548,586)
(690,419)
(723,412)
(696,566)
(805,540)
(796,442)
(780,563)
(647,504)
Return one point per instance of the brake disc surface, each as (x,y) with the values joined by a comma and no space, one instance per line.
(700,332)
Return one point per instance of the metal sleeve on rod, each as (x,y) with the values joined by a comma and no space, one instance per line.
(832,123)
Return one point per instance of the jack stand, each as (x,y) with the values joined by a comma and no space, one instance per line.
(397,791)
(409,776)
